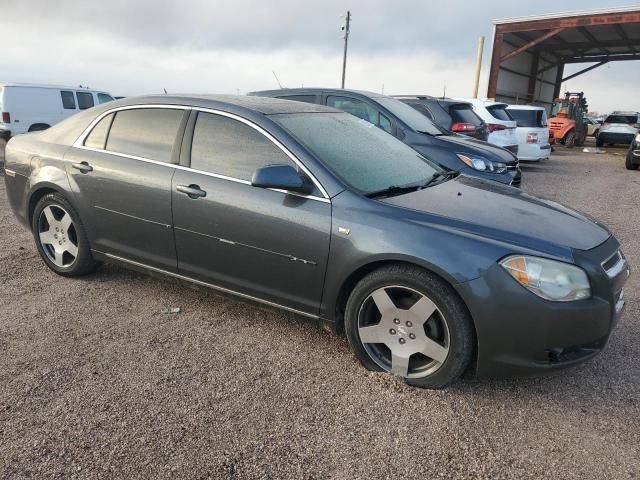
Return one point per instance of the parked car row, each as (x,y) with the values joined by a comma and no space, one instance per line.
(451,151)
(307,208)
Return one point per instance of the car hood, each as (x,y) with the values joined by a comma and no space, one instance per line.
(503,213)
(472,146)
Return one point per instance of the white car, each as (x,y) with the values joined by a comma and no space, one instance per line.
(29,108)
(502,128)
(532,132)
(619,127)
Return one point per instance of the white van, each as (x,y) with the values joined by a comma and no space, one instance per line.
(29,108)
(532,132)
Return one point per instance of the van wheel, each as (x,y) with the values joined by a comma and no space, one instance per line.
(60,237)
(629,163)
(406,321)
(37,127)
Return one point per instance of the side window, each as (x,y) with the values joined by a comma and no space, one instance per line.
(104,98)
(68,100)
(145,132)
(422,109)
(355,107)
(385,124)
(85,100)
(301,98)
(225,146)
(98,136)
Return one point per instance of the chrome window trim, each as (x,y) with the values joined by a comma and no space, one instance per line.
(206,284)
(79,143)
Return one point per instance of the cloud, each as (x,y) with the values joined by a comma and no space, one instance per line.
(134,47)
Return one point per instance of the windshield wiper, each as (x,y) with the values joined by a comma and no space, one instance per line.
(439,134)
(438,175)
(392,190)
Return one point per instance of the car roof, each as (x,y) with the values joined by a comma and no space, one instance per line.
(264,105)
(445,101)
(315,91)
(524,107)
(483,103)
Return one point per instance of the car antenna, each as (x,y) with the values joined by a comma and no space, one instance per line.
(165,91)
(274,74)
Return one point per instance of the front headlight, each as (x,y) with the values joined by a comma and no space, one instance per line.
(638,137)
(549,279)
(482,164)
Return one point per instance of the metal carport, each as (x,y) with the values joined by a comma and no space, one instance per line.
(530,53)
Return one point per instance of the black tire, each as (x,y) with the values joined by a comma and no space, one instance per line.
(629,163)
(570,140)
(83,262)
(461,337)
(599,143)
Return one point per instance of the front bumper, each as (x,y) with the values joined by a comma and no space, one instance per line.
(614,137)
(523,334)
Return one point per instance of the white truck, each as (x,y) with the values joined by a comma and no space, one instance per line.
(29,108)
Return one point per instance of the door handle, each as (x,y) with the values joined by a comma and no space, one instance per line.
(84,167)
(192,191)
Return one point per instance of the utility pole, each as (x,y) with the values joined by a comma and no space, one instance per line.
(476,78)
(346,41)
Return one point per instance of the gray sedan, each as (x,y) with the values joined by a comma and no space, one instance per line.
(306,208)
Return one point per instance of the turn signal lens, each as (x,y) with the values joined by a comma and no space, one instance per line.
(549,279)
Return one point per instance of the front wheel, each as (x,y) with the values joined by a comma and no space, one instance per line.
(629,163)
(60,237)
(406,321)
(570,140)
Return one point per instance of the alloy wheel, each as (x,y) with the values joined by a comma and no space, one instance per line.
(58,236)
(403,331)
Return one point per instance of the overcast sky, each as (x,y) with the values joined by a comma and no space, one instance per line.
(131,47)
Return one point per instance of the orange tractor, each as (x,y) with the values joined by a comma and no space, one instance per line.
(567,124)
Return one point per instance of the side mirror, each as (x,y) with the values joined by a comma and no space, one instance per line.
(282,177)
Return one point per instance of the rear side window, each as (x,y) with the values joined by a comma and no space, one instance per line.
(225,146)
(98,136)
(85,100)
(104,98)
(301,98)
(385,124)
(529,118)
(422,109)
(628,119)
(145,132)
(464,114)
(68,100)
(499,112)
(355,107)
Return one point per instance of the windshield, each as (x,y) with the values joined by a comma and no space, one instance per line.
(528,117)
(360,154)
(414,119)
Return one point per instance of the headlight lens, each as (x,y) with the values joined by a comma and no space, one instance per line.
(482,164)
(638,138)
(549,279)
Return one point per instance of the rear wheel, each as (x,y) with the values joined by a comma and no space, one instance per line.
(60,237)
(405,321)
(629,163)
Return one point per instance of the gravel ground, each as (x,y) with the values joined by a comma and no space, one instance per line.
(96,383)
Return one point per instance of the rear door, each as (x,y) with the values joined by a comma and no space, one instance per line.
(262,243)
(121,174)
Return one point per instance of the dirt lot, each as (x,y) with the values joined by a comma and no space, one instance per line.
(96,383)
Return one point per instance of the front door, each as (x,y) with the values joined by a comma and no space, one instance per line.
(262,243)
(121,175)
